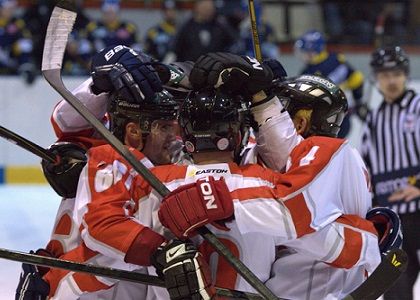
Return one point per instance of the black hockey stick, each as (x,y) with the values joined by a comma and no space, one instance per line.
(27,145)
(385,275)
(119,274)
(59,27)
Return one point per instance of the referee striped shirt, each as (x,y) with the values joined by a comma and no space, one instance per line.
(391,149)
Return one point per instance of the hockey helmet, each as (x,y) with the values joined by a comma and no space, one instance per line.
(122,111)
(211,121)
(326,100)
(389,58)
(310,41)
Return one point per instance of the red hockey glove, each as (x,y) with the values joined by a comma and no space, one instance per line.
(186,274)
(195,205)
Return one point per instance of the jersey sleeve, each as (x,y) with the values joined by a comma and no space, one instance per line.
(106,205)
(348,242)
(323,181)
(67,121)
(276,136)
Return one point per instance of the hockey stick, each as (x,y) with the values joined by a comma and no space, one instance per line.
(254,30)
(119,274)
(59,27)
(385,275)
(27,145)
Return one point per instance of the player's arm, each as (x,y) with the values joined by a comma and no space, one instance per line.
(116,68)
(106,210)
(349,241)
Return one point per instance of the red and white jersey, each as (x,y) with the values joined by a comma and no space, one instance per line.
(315,279)
(68,122)
(70,126)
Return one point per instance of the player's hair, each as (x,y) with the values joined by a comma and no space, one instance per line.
(326,100)
(390,58)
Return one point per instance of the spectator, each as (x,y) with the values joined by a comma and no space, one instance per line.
(204,32)
(390,148)
(311,48)
(111,30)
(160,38)
(15,43)
(79,49)
(36,17)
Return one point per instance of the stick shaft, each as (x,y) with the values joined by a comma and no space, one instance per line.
(118,274)
(254,30)
(27,144)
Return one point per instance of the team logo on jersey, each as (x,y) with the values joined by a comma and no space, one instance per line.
(395,261)
(208,170)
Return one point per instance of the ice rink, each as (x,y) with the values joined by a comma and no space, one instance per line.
(26,219)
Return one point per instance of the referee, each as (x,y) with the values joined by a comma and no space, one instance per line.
(391,149)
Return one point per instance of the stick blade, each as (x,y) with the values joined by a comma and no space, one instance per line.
(383,278)
(59,27)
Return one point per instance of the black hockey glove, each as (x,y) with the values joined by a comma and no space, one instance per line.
(31,286)
(235,74)
(277,68)
(63,176)
(186,274)
(123,70)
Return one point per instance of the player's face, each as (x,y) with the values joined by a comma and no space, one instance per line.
(162,135)
(391,84)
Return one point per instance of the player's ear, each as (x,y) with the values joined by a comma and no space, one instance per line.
(301,124)
(133,136)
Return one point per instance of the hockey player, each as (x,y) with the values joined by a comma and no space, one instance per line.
(76,135)
(317,107)
(312,50)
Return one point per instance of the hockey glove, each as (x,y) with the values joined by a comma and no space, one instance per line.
(277,68)
(235,74)
(123,70)
(186,274)
(31,286)
(63,175)
(388,225)
(195,205)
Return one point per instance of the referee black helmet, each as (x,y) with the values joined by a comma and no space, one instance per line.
(389,58)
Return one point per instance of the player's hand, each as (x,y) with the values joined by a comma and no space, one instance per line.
(186,274)
(195,205)
(31,285)
(234,73)
(277,68)
(130,73)
(388,225)
(63,175)
(406,194)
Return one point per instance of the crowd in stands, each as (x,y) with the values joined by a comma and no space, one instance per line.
(211,26)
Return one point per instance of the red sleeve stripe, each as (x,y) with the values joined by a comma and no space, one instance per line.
(357,223)
(301,215)
(352,249)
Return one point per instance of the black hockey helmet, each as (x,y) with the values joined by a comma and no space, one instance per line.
(389,58)
(122,111)
(211,121)
(326,100)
